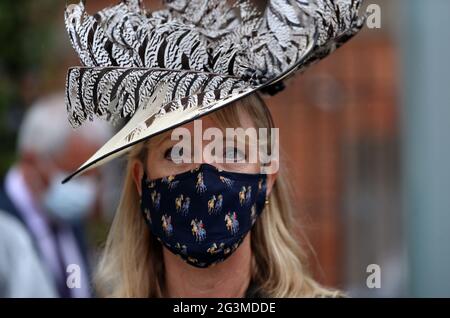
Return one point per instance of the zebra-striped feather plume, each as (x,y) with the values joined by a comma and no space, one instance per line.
(117,92)
(196,46)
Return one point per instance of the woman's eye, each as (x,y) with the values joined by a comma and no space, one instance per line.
(174,154)
(234,154)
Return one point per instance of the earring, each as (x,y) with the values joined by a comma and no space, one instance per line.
(267,201)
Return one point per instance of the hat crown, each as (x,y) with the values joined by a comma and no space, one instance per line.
(209,35)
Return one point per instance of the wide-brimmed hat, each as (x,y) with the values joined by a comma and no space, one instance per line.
(161,69)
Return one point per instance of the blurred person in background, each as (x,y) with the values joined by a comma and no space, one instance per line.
(32,192)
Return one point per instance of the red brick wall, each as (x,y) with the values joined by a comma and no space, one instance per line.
(350,96)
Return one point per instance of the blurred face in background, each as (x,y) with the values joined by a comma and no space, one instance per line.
(43,174)
(49,150)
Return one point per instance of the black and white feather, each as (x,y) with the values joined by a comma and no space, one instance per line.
(197,46)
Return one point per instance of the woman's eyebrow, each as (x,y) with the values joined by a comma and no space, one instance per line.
(162,140)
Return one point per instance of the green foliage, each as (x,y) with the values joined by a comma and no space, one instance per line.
(26,35)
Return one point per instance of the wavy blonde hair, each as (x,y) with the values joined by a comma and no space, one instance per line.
(132,262)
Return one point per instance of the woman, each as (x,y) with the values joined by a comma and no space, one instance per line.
(208,228)
(269,259)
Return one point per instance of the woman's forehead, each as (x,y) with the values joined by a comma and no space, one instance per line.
(206,122)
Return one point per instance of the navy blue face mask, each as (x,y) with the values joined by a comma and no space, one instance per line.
(203,214)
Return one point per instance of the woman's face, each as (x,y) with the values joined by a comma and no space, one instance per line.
(235,157)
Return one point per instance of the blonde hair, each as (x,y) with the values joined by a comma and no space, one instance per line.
(132,261)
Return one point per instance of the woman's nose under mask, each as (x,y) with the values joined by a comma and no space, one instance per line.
(203,214)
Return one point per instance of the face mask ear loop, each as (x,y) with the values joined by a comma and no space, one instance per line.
(143,184)
(267,201)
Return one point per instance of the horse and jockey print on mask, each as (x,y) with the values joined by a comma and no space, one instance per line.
(203,214)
